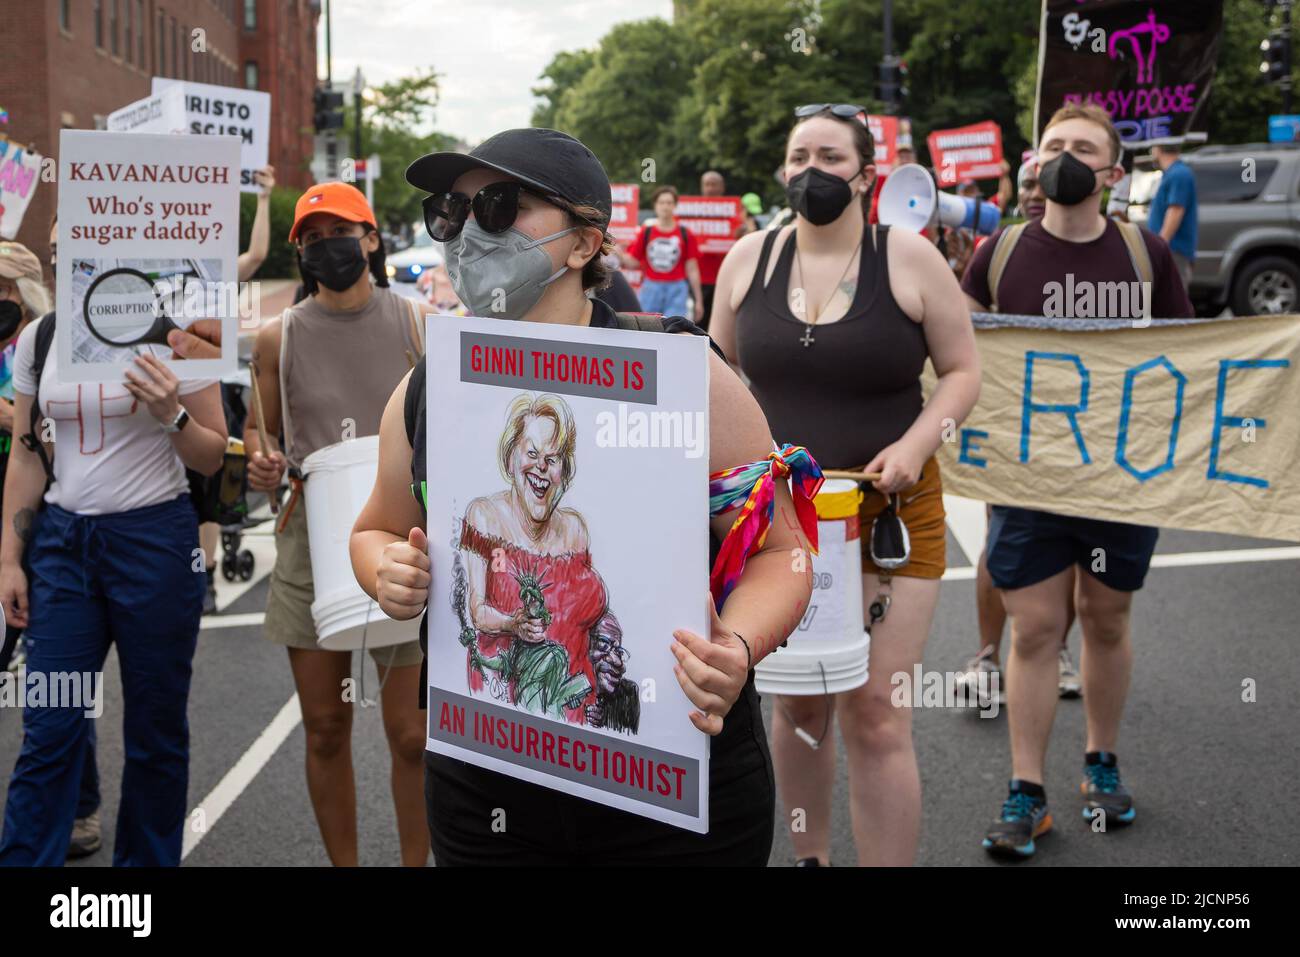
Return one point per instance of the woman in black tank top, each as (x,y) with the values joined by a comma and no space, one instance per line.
(832,321)
(568,200)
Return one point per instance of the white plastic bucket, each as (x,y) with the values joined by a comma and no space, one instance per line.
(827,652)
(339,478)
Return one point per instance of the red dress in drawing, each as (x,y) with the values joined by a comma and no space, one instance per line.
(575,599)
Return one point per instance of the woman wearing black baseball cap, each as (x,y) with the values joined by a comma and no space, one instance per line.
(523,218)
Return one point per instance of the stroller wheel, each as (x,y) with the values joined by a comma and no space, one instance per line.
(246,562)
(228,568)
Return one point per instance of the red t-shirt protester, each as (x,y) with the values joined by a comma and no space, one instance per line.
(663,255)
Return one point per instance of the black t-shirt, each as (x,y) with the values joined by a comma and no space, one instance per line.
(602,317)
(1043,266)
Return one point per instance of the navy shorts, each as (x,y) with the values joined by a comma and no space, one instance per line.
(1026,547)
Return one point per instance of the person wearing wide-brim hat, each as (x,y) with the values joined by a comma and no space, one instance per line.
(540,205)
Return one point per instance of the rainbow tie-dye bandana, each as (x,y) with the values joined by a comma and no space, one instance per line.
(755,486)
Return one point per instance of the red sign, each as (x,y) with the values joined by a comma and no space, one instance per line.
(968,152)
(713,219)
(884,131)
(625,198)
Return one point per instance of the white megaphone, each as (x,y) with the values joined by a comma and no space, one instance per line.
(909,199)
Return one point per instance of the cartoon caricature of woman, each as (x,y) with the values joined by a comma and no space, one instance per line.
(534,613)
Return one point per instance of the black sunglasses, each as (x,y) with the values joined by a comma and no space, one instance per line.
(845,111)
(495,208)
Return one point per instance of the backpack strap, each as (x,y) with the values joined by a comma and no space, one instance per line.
(1138,253)
(1006,245)
(41,351)
(639,321)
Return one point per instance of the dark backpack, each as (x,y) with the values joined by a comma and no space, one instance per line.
(204,489)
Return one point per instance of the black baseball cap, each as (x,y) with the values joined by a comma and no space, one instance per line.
(548,160)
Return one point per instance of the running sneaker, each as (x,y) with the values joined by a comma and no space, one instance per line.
(85,836)
(1102,790)
(1068,683)
(1024,817)
(981,680)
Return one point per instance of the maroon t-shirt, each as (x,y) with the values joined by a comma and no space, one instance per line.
(1041,259)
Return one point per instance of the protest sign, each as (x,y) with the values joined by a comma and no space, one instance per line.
(625,200)
(549,654)
(20,171)
(1149,63)
(713,219)
(231,111)
(162,112)
(884,134)
(968,152)
(1183,425)
(148,234)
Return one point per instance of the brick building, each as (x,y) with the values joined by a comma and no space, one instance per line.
(67,64)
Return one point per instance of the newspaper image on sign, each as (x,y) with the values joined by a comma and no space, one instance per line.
(567,500)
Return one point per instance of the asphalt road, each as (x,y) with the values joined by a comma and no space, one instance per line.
(1212,776)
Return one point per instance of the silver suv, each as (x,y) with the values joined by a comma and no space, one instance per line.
(1248,233)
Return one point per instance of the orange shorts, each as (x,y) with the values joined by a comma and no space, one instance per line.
(921,509)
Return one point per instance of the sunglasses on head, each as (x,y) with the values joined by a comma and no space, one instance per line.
(844,111)
(495,208)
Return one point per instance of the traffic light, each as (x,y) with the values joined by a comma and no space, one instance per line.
(891,89)
(328,108)
(1273,65)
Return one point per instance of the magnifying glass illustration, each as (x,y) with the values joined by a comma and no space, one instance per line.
(124,307)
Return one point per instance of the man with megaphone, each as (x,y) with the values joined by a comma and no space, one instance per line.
(1031,554)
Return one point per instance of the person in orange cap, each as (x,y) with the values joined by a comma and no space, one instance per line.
(325,369)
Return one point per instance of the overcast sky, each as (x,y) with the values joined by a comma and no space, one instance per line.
(489,52)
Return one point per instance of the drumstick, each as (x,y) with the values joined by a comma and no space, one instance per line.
(262,441)
(851,476)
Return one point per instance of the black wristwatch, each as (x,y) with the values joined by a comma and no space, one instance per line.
(178,423)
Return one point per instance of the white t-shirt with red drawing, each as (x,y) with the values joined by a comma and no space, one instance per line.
(111,454)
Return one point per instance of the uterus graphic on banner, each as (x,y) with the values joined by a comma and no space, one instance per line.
(1149,64)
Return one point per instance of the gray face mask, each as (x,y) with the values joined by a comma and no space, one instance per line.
(500,275)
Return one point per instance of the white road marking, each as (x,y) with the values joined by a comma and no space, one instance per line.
(1234,556)
(200,821)
(209,622)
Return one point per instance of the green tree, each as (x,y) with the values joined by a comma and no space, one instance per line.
(618,105)
(560,76)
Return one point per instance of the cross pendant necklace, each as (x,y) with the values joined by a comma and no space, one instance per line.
(808,339)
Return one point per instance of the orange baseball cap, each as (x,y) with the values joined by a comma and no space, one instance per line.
(341,199)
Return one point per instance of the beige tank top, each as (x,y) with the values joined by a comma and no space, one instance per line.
(338,369)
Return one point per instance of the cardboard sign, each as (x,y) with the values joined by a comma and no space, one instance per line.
(20,172)
(713,219)
(968,152)
(1181,426)
(884,132)
(228,111)
(1149,63)
(162,112)
(148,234)
(549,656)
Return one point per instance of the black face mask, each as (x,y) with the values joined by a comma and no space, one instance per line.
(11,315)
(336,262)
(819,196)
(1067,180)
